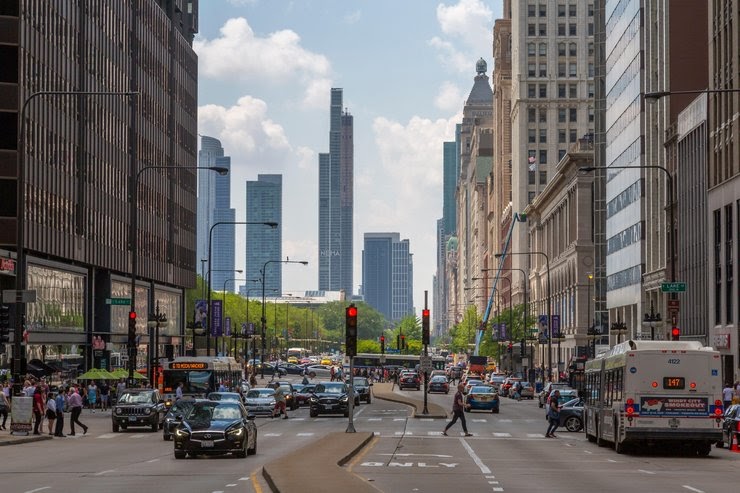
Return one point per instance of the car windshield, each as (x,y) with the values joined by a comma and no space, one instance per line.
(180,407)
(329,388)
(307,389)
(360,381)
(573,403)
(212,411)
(439,378)
(136,398)
(474,382)
(216,396)
(481,390)
(257,393)
(498,379)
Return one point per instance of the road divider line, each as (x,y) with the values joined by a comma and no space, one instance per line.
(153,460)
(103,472)
(692,488)
(255,483)
(38,489)
(483,468)
(645,472)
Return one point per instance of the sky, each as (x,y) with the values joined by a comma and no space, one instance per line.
(406,67)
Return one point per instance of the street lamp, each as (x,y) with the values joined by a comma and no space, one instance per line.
(264,317)
(650,319)
(209,315)
(224,305)
(652,97)
(511,318)
(135,256)
(549,312)
(155,321)
(20,268)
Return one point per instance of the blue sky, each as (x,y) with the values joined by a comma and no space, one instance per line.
(406,67)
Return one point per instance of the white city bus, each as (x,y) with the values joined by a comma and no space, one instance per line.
(655,392)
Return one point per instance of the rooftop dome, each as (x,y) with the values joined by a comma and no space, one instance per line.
(481,66)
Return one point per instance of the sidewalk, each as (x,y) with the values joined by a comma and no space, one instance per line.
(98,423)
(8,439)
(413,399)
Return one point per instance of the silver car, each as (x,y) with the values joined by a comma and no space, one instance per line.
(261,402)
(320,371)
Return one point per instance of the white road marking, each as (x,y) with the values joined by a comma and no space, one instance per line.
(106,435)
(483,468)
(231,485)
(502,435)
(493,482)
(398,433)
(376,433)
(375,419)
(153,460)
(103,472)
(38,489)
(419,455)
(426,419)
(535,435)
(359,412)
(434,433)
(304,434)
(644,471)
(691,488)
(490,477)
(218,491)
(479,420)
(244,479)
(299,419)
(137,436)
(272,434)
(504,421)
(497,489)
(399,419)
(588,452)
(611,460)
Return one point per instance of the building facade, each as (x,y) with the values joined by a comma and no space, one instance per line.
(336,201)
(263,244)
(387,275)
(81,158)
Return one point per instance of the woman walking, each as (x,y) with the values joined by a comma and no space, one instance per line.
(51,412)
(4,408)
(92,395)
(553,413)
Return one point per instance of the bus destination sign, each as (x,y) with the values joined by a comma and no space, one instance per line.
(188,365)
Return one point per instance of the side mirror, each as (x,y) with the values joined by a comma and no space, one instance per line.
(250,416)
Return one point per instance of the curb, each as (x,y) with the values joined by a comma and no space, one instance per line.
(412,404)
(27,439)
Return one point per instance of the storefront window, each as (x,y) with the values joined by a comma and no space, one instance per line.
(60,300)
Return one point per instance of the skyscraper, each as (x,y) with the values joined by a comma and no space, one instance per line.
(214,206)
(336,201)
(265,203)
(387,275)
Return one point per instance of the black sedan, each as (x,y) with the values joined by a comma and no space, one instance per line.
(215,428)
(361,387)
(730,424)
(179,408)
(439,383)
(291,369)
(329,398)
(571,415)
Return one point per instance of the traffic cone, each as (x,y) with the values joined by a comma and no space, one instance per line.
(733,443)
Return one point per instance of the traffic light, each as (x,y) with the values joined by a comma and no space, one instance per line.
(523,347)
(403,342)
(131,330)
(4,324)
(511,348)
(350,341)
(382,344)
(675,333)
(425,326)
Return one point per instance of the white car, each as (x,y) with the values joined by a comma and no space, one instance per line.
(321,371)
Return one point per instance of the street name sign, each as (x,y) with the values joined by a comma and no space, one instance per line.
(673,287)
(118,301)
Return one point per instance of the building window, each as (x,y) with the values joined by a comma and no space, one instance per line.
(561,154)
(590,28)
(590,115)
(530,196)
(561,49)
(543,70)
(531,90)
(572,135)
(561,29)
(590,49)
(590,89)
(717,267)
(562,115)
(729,305)
(543,49)
(531,115)
(530,177)
(543,136)
(561,69)
(573,49)
(590,69)
(573,115)
(561,90)
(590,10)
(531,69)
(572,10)
(532,135)
(543,29)
(573,91)
(543,177)
(531,10)
(543,115)
(572,30)
(543,156)
(561,10)
(561,136)
(572,70)
(531,30)
(543,10)
(543,90)
(531,49)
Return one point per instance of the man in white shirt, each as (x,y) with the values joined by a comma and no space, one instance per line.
(727,394)
(178,392)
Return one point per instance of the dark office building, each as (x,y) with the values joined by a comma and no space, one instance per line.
(81,157)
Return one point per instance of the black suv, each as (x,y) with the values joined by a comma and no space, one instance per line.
(139,407)
(362,386)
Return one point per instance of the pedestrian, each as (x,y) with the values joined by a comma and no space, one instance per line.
(61,401)
(280,401)
(75,407)
(178,391)
(727,393)
(252,380)
(51,412)
(104,391)
(553,413)
(4,407)
(458,411)
(92,395)
(120,387)
(38,409)
(331,374)
(305,380)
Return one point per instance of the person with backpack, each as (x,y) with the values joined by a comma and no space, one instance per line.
(553,414)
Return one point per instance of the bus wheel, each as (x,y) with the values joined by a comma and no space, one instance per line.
(619,447)
(703,449)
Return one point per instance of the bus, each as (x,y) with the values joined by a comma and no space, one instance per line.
(392,361)
(653,393)
(200,375)
(298,353)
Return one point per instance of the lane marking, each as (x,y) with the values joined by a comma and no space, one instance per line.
(434,433)
(501,435)
(691,488)
(419,455)
(479,420)
(299,419)
(611,460)
(244,479)
(426,419)
(535,435)
(153,460)
(483,468)
(272,434)
(255,483)
(504,421)
(588,452)
(106,435)
(103,472)
(398,433)
(493,482)
(137,436)
(231,485)
(644,471)
(399,419)
(304,434)
(375,419)
(497,489)
(38,489)
(490,477)
(359,412)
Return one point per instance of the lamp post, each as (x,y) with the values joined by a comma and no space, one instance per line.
(20,268)
(511,318)
(224,305)
(264,317)
(549,311)
(209,315)
(650,319)
(251,337)
(135,255)
(155,321)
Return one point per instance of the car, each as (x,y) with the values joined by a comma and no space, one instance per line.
(730,425)
(269,369)
(291,369)
(321,371)
(456,372)
(289,392)
(571,415)
(409,379)
(506,385)
(261,402)
(225,396)
(138,407)
(439,383)
(471,383)
(438,372)
(329,398)
(216,428)
(302,395)
(496,380)
(525,390)
(549,387)
(326,361)
(293,360)
(179,408)
(361,386)
(482,397)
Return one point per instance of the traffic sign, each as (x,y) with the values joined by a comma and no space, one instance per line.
(425,363)
(118,301)
(674,304)
(673,287)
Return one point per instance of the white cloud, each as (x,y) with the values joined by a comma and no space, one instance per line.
(238,53)
(240,3)
(468,23)
(449,98)
(353,17)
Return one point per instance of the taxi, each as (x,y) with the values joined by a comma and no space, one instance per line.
(326,361)
(293,359)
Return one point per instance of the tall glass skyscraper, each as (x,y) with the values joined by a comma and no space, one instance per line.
(265,203)
(336,201)
(214,206)
(387,275)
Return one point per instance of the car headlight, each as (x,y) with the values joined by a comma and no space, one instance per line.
(148,411)
(181,432)
(344,398)
(313,399)
(236,432)
(119,410)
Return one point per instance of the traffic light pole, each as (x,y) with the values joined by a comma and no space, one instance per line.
(350,349)
(425,340)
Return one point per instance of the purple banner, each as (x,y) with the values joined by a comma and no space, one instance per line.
(227,326)
(503,332)
(556,326)
(250,329)
(494,332)
(201,313)
(216,311)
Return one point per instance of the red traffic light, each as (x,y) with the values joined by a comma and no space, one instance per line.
(382,338)
(425,313)
(675,333)
(132,315)
(352,311)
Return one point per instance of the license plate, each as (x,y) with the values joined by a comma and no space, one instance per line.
(329,406)
(674,422)
(206,444)
(132,418)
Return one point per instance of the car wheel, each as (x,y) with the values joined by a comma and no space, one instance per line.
(253,450)
(703,449)
(573,424)
(496,411)
(313,414)
(115,427)
(179,454)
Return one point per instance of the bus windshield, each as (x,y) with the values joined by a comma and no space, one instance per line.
(195,382)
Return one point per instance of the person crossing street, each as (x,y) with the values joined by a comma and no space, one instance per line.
(458,412)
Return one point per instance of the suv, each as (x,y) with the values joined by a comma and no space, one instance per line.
(139,407)
(549,387)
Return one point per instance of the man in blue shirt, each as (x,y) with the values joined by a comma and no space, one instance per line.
(60,400)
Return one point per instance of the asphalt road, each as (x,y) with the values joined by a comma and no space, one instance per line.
(508,452)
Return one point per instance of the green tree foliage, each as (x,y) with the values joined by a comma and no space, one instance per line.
(368,346)
(370,322)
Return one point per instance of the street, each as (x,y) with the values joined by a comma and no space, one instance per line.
(508,452)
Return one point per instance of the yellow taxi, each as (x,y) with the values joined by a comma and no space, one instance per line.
(326,361)
(293,359)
